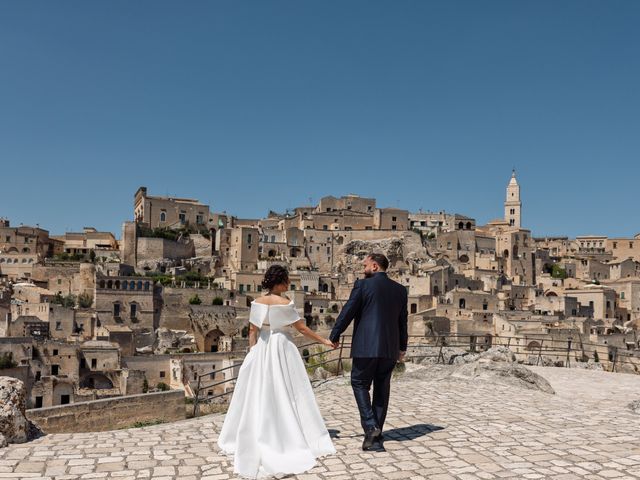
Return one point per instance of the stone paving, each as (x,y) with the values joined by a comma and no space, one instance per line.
(437,429)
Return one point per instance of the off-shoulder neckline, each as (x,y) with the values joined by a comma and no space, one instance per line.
(274,305)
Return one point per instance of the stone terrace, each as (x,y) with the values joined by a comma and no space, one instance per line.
(437,429)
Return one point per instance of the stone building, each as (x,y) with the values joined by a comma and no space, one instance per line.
(347,202)
(432,224)
(390,219)
(170,212)
(89,240)
(128,301)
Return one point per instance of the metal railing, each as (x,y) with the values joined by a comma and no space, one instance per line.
(200,387)
(466,343)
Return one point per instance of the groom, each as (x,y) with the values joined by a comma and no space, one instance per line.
(379,307)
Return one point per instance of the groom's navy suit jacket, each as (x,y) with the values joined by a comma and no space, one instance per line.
(378,307)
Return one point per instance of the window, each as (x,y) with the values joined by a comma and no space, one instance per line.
(414,308)
(58,327)
(94,363)
(393,219)
(55,369)
(116,310)
(163,216)
(393,227)
(55,351)
(199,219)
(182,217)
(38,402)
(162,374)
(65,399)
(134,310)
(325,227)
(249,238)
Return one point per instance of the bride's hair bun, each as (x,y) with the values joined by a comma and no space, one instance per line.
(275,275)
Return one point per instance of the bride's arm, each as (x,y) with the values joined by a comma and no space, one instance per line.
(301,326)
(253,335)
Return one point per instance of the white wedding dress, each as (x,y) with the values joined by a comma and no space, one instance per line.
(273,425)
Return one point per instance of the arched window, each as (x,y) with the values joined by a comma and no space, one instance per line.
(146,285)
(139,284)
(468,225)
(460,226)
(117,284)
(102,284)
(462,303)
(109,284)
(132,285)
(163,216)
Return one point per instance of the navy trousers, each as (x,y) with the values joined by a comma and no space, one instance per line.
(364,372)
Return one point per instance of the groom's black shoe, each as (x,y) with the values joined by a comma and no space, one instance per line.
(370,437)
(379,439)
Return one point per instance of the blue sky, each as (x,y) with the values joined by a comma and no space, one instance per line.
(252,106)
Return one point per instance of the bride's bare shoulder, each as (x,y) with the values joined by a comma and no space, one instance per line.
(272,300)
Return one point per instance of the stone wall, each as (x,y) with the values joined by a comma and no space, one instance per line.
(110,414)
(149,249)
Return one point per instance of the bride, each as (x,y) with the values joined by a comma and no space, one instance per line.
(273,425)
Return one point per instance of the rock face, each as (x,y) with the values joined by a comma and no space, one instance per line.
(167,339)
(320,374)
(497,365)
(14,426)
(504,373)
(635,406)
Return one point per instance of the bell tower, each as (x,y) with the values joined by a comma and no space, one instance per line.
(513,205)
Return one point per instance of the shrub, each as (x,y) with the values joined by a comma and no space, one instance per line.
(163,387)
(195,300)
(558,272)
(218,301)
(85,300)
(68,301)
(145,386)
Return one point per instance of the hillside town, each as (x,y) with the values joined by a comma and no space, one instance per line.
(90,315)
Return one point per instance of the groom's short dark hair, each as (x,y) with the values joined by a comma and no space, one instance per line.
(380,259)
